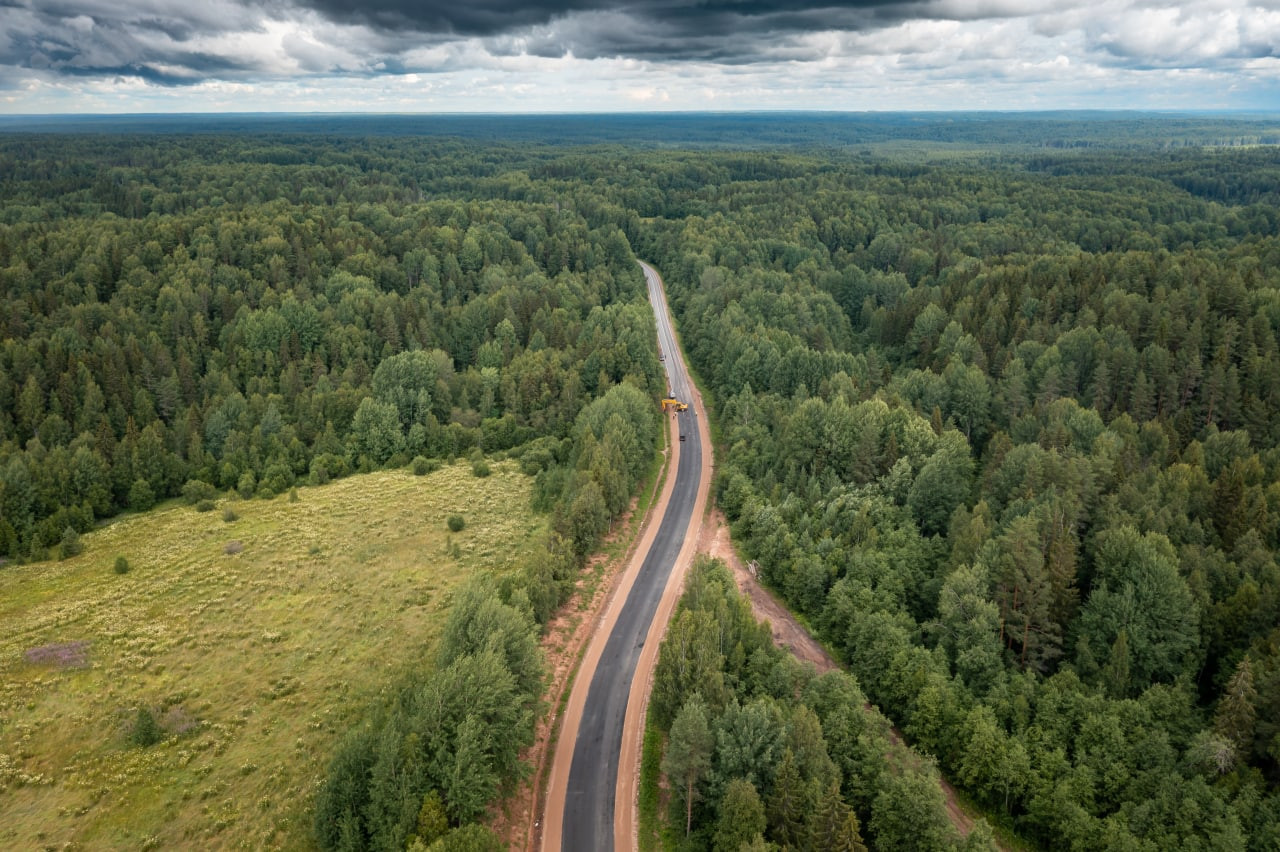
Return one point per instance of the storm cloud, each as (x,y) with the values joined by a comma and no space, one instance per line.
(650,50)
(659,29)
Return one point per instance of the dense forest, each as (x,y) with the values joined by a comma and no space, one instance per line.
(761,753)
(251,327)
(1006,434)
(1000,420)
(185,327)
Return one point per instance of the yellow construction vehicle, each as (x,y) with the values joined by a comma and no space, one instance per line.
(674,405)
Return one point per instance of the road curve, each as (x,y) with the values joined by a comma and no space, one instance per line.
(582,818)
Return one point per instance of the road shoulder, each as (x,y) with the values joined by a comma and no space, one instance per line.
(601,626)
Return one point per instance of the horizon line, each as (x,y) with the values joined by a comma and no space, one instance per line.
(1167,111)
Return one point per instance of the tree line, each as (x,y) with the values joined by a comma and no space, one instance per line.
(420,770)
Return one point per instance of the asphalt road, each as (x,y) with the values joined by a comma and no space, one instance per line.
(589,803)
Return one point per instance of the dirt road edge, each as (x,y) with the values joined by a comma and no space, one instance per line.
(558,782)
(626,817)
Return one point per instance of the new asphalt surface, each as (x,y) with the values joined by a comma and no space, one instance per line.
(589,802)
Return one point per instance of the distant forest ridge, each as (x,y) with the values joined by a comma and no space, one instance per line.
(827,130)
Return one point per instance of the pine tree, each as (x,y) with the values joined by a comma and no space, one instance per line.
(1027,596)
(1115,674)
(70,544)
(833,826)
(787,803)
(1142,398)
(741,817)
(688,755)
(146,730)
(1060,564)
(1236,716)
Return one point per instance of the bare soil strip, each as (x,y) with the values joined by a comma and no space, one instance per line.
(519,820)
(626,817)
(790,634)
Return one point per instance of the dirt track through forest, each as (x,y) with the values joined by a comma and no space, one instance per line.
(788,633)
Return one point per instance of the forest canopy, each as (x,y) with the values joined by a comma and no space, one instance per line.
(999,416)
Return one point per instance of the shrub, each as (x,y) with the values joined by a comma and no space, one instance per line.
(247,485)
(433,822)
(327,466)
(229,515)
(233,547)
(197,491)
(70,544)
(146,730)
(293,495)
(480,469)
(537,456)
(278,477)
(469,838)
(205,506)
(141,497)
(122,565)
(456,523)
(423,466)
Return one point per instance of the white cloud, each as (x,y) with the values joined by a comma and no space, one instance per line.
(648,93)
(953,54)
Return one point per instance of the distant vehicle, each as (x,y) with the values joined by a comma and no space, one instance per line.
(661,357)
(674,404)
(682,437)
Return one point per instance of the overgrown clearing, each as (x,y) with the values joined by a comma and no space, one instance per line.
(265,657)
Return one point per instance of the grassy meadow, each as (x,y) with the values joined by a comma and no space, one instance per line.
(254,662)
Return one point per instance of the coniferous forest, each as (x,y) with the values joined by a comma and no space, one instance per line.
(997,410)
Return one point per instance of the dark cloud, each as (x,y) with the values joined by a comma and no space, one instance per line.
(714,31)
(192,73)
(176,42)
(729,33)
(114,57)
(460,18)
(150,38)
(91,38)
(684,18)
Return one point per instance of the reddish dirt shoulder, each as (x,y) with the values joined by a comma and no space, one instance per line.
(518,819)
(787,632)
(592,633)
(626,819)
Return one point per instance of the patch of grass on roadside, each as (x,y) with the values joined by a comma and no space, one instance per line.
(252,660)
(649,794)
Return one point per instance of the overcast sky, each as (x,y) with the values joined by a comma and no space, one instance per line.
(108,56)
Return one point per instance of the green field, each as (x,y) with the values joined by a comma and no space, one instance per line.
(254,662)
